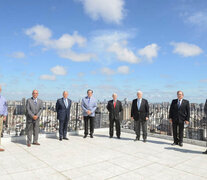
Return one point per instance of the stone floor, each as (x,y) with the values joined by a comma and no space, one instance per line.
(102,158)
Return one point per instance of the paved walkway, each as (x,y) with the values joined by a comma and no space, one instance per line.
(102,158)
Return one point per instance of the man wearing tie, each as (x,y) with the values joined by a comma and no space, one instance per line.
(3,114)
(63,106)
(140,115)
(34,108)
(178,115)
(205,111)
(114,107)
(89,106)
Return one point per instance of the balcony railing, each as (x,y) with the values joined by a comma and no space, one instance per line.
(158,120)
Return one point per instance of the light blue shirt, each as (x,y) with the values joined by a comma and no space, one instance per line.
(3,106)
(89,104)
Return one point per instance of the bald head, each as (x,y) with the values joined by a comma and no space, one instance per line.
(35,93)
(65,94)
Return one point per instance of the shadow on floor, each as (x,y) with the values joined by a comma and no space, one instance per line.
(158,142)
(107,136)
(183,150)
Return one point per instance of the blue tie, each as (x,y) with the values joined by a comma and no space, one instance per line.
(138,104)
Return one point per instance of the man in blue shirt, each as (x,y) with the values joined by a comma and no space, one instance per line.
(89,106)
(3,113)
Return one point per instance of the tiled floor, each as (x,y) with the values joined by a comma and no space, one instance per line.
(102,158)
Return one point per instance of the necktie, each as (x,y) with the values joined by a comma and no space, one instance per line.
(114,104)
(179,103)
(138,104)
(35,101)
(66,103)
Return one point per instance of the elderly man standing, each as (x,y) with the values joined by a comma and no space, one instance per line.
(140,115)
(89,106)
(34,108)
(3,114)
(114,107)
(63,106)
(178,115)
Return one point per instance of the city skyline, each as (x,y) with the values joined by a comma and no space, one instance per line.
(108,46)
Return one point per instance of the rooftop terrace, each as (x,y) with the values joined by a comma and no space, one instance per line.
(101,158)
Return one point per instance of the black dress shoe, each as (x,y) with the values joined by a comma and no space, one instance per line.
(173,144)
(205,152)
(91,136)
(181,144)
(60,138)
(85,136)
(66,138)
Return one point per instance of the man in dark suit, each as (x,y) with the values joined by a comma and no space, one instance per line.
(205,111)
(63,106)
(179,114)
(114,107)
(140,115)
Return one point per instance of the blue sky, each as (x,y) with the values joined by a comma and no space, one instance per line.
(119,46)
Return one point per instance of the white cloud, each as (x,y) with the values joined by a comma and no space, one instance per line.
(107,71)
(111,11)
(186,49)
(68,54)
(123,53)
(18,55)
(198,18)
(43,36)
(59,70)
(150,51)
(123,69)
(48,77)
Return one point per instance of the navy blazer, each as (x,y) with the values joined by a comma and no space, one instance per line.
(62,111)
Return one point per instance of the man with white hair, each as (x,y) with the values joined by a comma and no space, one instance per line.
(34,108)
(3,114)
(140,115)
(114,107)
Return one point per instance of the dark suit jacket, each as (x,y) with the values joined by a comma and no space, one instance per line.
(142,113)
(205,108)
(179,114)
(114,112)
(62,111)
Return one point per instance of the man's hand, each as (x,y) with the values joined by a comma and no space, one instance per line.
(170,121)
(186,122)
(4,119)
(88,112)
(147,118)
(35,117)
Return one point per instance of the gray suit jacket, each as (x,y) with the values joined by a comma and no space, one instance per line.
(33,109)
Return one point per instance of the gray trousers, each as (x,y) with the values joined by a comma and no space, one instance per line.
(137,127)
(32,128)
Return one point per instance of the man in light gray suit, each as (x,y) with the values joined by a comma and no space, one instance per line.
(34,107)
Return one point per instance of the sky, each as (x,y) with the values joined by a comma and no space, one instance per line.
(109,46)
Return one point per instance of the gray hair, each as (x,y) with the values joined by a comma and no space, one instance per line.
(139,92)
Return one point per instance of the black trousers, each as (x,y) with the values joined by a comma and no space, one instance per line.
(111,127)
(86,120)
(178,128)
(137,127)
(63,127)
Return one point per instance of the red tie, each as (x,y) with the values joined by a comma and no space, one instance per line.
(114,104)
